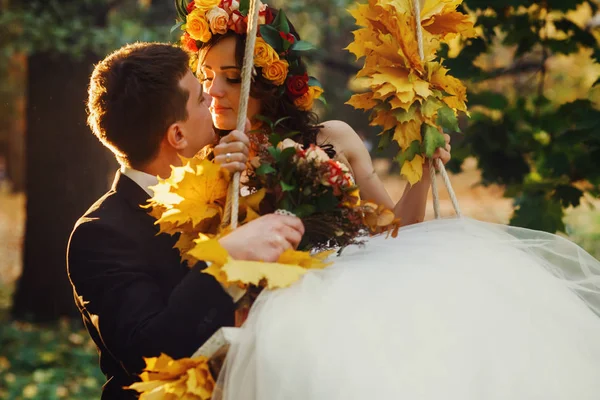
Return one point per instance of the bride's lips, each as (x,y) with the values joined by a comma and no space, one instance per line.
(219,109)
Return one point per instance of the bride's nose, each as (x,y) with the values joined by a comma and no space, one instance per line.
(216,88)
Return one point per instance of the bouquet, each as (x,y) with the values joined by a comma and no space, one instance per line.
(321,191)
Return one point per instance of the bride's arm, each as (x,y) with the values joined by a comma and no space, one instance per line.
(411,207)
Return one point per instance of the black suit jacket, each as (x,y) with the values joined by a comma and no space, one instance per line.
(136,297)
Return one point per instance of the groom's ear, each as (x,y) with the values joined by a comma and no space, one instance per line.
(175,137)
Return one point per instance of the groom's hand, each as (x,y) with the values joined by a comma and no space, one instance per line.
(265,238)
(232,150)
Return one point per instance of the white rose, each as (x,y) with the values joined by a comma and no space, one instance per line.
(218,20)
(287,143)
(316,153)
(262,19)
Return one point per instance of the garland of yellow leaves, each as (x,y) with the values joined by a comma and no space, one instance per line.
(166,378)
(408,95)
(191,203)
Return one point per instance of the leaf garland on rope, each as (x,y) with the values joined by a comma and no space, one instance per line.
(410,98)
(191,203)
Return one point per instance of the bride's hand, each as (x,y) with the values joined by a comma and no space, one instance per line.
(232,151)
(443,154)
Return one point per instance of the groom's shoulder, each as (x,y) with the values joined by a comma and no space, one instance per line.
(110,213)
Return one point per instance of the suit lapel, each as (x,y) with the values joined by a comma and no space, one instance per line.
(137,197)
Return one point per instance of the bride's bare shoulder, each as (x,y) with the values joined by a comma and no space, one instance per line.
(338,133)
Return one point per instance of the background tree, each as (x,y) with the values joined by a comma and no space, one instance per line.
(66,167)
(534,125)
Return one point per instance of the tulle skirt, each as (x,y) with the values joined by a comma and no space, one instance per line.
(450,309)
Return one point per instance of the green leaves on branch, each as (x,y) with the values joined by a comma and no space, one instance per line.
(73,28)
(543,152)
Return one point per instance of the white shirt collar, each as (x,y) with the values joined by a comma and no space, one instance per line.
(142,179)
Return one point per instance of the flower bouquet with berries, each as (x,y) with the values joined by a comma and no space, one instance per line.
(321,191)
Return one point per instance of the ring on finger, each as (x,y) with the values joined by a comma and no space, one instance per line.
(228,157)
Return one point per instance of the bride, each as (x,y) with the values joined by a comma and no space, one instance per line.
(450,309)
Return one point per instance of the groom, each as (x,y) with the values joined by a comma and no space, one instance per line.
(136,297)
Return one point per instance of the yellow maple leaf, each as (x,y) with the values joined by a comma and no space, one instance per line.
(450,24)
(386,119)
(407,132)
(184,244)
(362,101)
(362,38)
(372,65)
(305,259)
(364,13)
(272,275)
(253,200)
(413,170)
(396,77)
(193,193)
(165,378)
(396,103)
(209,250)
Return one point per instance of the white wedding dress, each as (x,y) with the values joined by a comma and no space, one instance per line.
(450,309)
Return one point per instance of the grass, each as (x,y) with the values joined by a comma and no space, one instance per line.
(46,361)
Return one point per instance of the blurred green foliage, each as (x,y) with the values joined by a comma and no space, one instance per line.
(77,27)
(543,150)
(46,361)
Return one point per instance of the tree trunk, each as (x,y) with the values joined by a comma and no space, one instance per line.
(16,135)
(67,170)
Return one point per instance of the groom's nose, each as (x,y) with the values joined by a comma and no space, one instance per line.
(207,98)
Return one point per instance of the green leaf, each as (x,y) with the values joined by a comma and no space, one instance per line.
(274,139)
(302,45)
(488,99)
(405,116)
(447,119)
(312,81)
(176,27)
(244,8)
(327,202)
(286,187)
(280,120)
(535,211)
(409,154)
(385,139)
(304,210)
(181,9)
(286,154)
(433,139)
(569,196)
(265,169)
(271,36)
(266,120)
(275,153)
(281,22)
(431,106)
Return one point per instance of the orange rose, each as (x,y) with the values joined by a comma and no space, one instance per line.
(305,102)
(218,20)
(264,54)
(276,72)
(197,26)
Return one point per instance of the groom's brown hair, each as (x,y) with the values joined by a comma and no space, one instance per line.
(134,96)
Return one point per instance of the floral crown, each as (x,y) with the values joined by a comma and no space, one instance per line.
(277,51)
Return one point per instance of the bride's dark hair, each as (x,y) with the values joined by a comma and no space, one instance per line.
(275,104)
